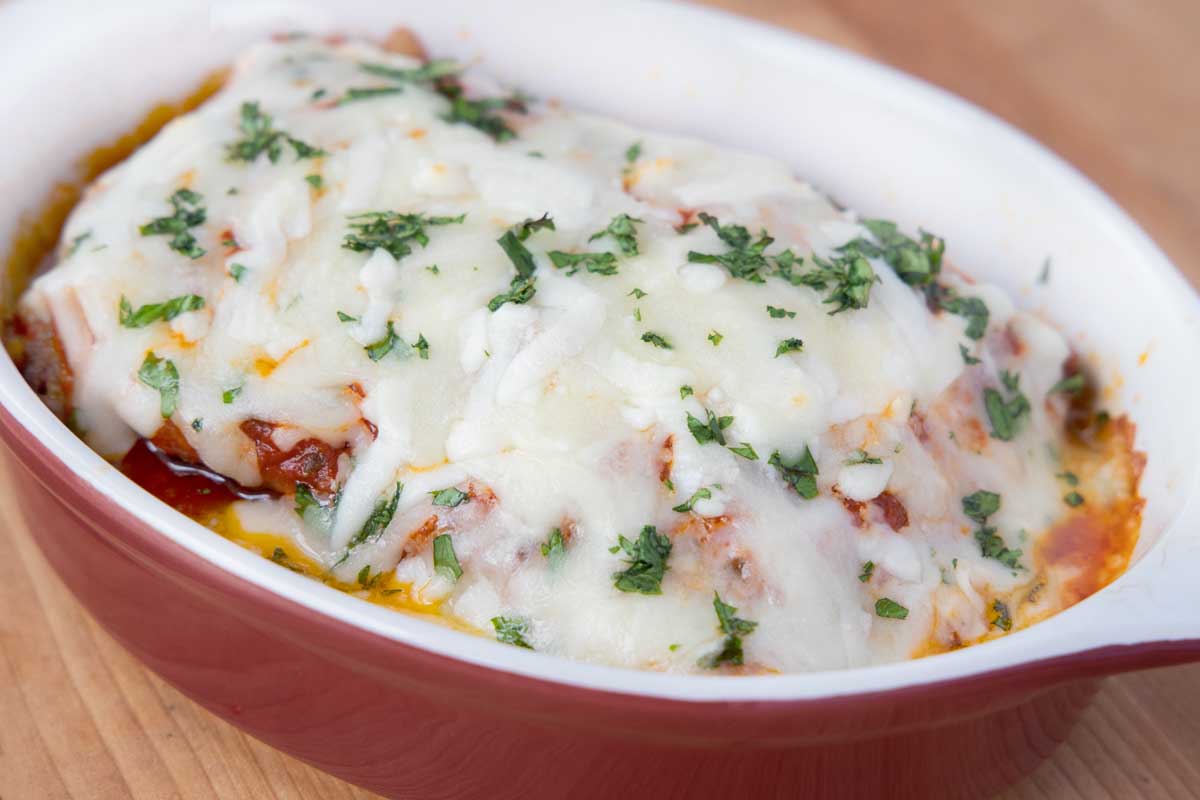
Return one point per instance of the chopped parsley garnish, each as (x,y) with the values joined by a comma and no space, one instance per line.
(868,569)
(848,277)
(365,579)
(792,345)
(888,608)
(734,629)
(745,451)
(189,212)
(1006,415)
(862,457)
(800,473)
(237,272)
(152,312)
(433,269)
(992,546)
(77,242)
(647,560)
(980,505)
(700,494)
(391,231)
(512,630)
(638,293)
(381,517)
(445,562)
(1073,499)
(479,114)
(198,424)
(422,347)
(780,313)
(315,181)
(309,508)
(523,286)
(917,263)
(685,392)
(710,429)
(160,374)
(715,337)
(744,259)
(633,152)
(656,339)
(450,497)
(389,342)
(229,395)
(1069,385)
(597,263)
(622,232)
(972,309)
(261,137)
(555,547)
(1070,478)
(1003,619)
(429,71)
(344,317)
(967,358)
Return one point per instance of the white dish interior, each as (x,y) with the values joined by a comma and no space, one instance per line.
(875,139)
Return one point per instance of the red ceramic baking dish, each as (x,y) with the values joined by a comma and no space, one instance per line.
(411,709)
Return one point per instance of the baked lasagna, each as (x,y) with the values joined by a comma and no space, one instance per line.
(595,391)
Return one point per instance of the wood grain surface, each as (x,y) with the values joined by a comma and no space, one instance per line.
(1111,85)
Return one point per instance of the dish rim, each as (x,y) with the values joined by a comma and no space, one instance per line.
(1036,644)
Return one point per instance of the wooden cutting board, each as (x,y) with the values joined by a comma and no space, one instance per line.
(1112,85)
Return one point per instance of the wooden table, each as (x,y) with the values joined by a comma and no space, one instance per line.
(1112,85)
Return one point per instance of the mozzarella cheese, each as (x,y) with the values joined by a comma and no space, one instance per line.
(596,407)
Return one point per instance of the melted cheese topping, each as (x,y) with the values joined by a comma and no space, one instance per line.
(560,412)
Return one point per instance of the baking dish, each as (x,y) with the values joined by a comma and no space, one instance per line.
(412,710)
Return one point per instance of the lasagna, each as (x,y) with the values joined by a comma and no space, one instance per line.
(595,391)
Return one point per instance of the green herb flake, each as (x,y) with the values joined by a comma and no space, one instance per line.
(745,259)
(745,451)
(967,358)
(381,517)
(1071,384)
(1006,416)
(647,560)
(1070,478)
(868,569)
(685,392)
(512,630)
(189,213)
(160,374)
(862,457)
(633,153)
(715,337)
(229,395)
(1003,619)
(1073,499)
(422,347)
(445,562)
(972,309)
(315,181)
(622,232)
(710,429)
(888,608)
(656,339)
(480,114)
(596,263)
(153,312)
(734,628)
(523,286)
(237,272)
(365,579)
(637,293)
(344,317)
(917,263)
(261,137)
(433,269)
(554,548)
(700,494)
(377,350)
(76,242)
(991,545)
(392,231)
(450,497)
(789,346)
(980,505)
(198,424)
(799,473)
(780,313)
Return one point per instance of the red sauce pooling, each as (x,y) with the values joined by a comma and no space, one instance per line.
(310,461)
(191,494)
